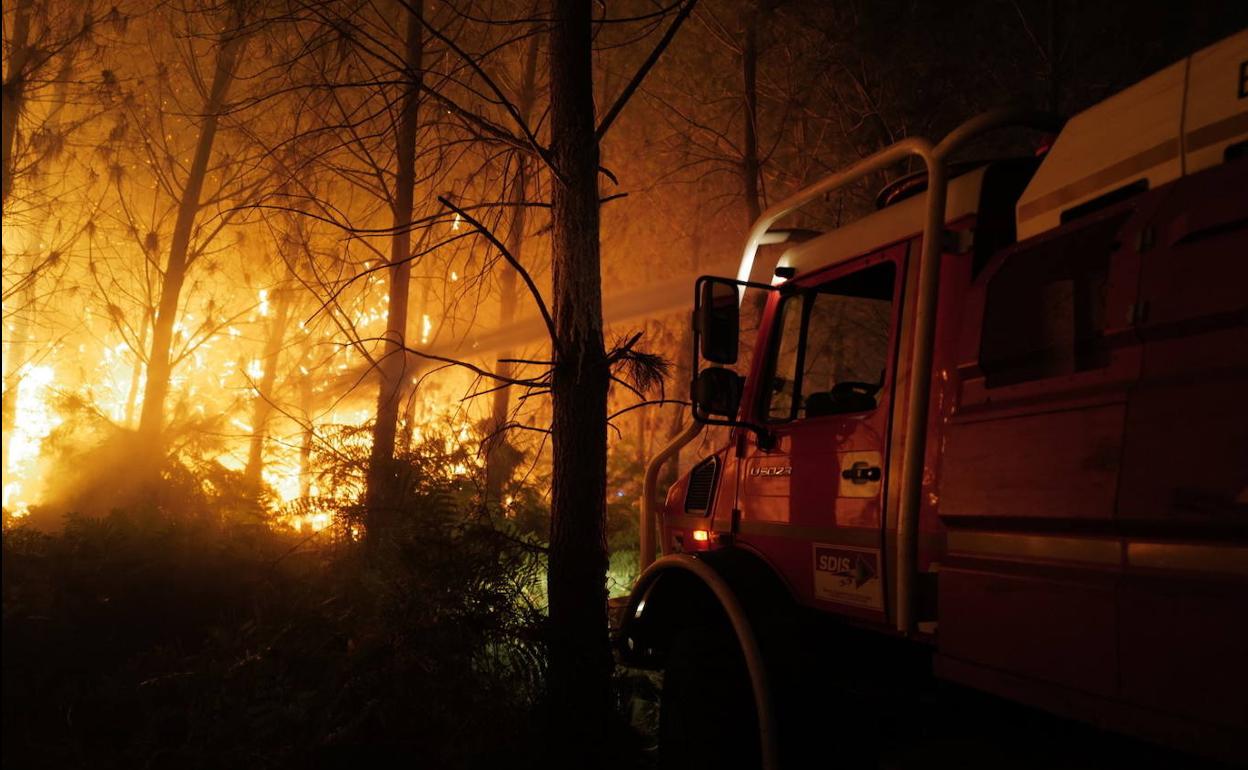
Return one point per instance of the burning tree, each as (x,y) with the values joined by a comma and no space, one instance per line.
(185,187)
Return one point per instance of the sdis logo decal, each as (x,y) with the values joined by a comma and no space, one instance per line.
(848,575)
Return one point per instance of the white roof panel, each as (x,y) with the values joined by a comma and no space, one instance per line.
(873,232)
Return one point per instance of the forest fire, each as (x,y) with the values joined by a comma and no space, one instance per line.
(212,382)
(87,374)
(205,287)
(34,419)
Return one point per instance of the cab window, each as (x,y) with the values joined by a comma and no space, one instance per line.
(830,352)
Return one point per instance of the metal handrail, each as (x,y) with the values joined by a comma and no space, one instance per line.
(649,487)
(919,396)
(878,161)
(1001,117)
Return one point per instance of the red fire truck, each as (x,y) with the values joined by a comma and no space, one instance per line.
(999,426)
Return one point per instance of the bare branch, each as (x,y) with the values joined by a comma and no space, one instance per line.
(644,70)
(511,260)
(653,402)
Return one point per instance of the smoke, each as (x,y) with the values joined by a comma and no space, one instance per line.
(652,300)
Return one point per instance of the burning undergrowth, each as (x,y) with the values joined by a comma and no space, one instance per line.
(91,466)
(155,636)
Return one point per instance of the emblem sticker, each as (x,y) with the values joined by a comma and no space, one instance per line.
(848,575)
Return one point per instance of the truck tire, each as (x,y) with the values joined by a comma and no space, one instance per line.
(706,711)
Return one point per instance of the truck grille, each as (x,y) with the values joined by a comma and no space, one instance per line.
(701,486)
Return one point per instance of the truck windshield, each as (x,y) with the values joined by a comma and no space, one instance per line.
(830,349)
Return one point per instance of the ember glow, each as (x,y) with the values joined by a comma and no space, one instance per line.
(204,242)
(278,311)
(213,392)
(87,373)
(35,419)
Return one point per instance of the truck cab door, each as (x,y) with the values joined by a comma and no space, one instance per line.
(811,494)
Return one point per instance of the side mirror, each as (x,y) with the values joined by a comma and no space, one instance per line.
(717,392)
(717,319)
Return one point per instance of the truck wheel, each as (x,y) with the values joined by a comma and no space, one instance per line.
(706,710)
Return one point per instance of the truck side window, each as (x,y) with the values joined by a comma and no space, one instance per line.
(1044,314)
(831,347)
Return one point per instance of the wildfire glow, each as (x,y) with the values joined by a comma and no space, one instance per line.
(34,419)
(216,383)
(272,383)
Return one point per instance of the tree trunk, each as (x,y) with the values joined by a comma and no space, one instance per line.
(682,368)
(642,449)
(1053,55)
(643,443)
(262,406)
(14,91)
(14,372)
(136,374)
(308,437)
(382,491)
(499,463)
(580,658)
(682,374)
(749,161)
(24,317)
(160,362)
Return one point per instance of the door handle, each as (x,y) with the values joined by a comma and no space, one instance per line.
(861,473)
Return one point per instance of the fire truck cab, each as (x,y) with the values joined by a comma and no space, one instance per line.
(1003,419)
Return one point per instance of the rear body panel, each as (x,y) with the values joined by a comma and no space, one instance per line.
(1098,523)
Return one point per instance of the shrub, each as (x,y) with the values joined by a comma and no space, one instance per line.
(142,639)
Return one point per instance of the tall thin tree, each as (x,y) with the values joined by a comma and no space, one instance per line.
(160,360)
(580,656)
(498,461)
(580,659)
(382,478)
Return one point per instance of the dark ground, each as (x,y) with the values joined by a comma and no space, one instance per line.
(138,642)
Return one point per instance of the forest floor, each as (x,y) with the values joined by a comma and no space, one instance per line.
(134,642)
